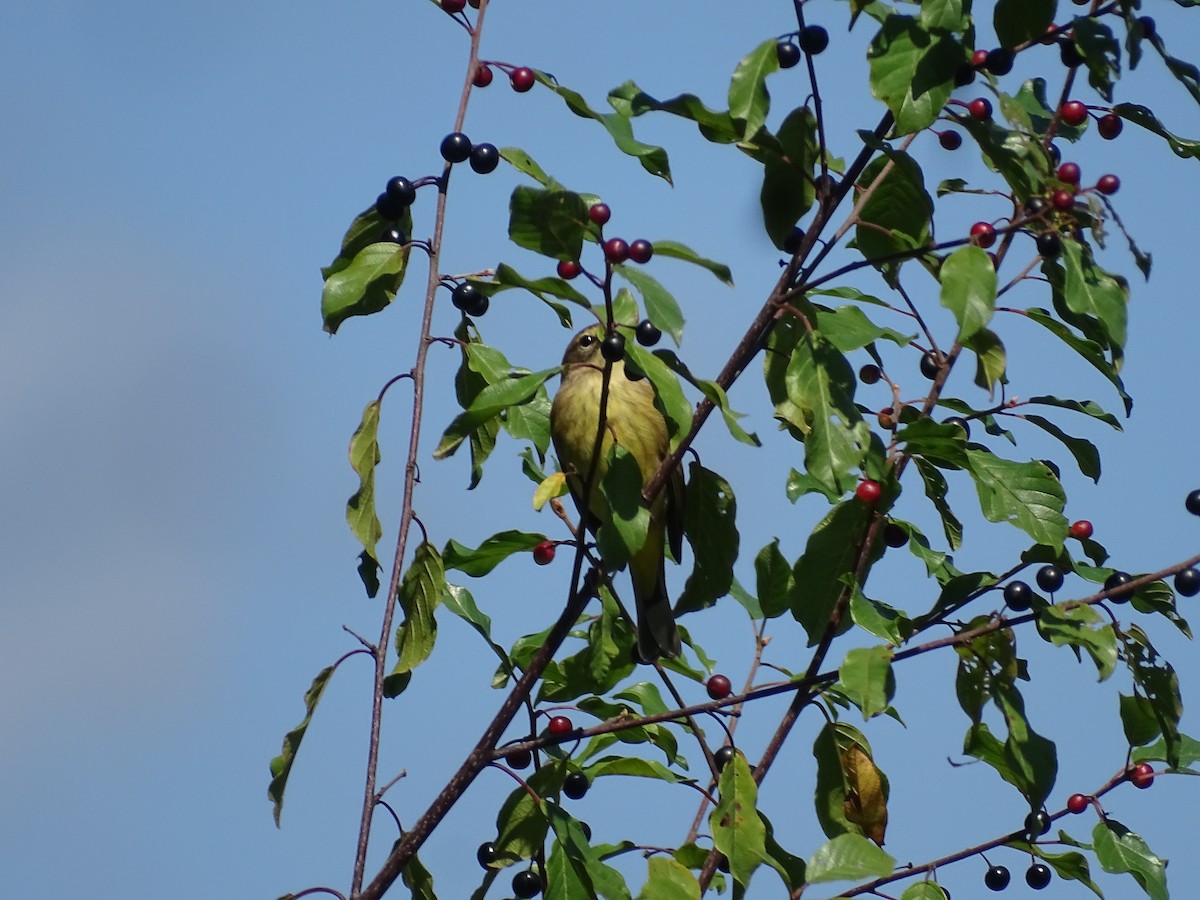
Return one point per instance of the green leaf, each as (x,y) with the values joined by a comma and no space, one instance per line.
(488,404)
(1187,749)
(897,216)
(867,680)
(576,869)
(1081,628)
(1026,495)
(1071,865)
(1088,297)
(879,619)
(748,97)
(1101,54)
(418,879)
(668,395)
(788,189)
(947,15)
(848,328)
(1120,850)
(925,890)
(460,602)
(281,765)
(605,660)
(720,399)
(367,273)
(625,530)
(715,125)
(676,250)
(1022,21)
(668,880)
(421,590)
(790,868)
(990,359)
(1144,116)
(1087,457)
(830,556)
(1138,719)
(542,288)
(851,791)
(941,444)
(774,580)
(936,490)
(480,366)
(360,508)
(523,162)
(709,521)
(521,821)
(912,71)
(549,222)
(1090,351)
(1158,683)
(848,857)
(969,289)
(738,830)
(490,553)
(634,767)
(660,306)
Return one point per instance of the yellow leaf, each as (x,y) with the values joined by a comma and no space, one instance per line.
(865,804)
(554,486)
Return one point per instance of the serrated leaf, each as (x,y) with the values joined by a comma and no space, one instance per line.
(1025,495)
(281,765)
(738,830)
(364,457)
(848,857)
(1120,850)
(489,554)
(969,289)
(866,679)
(912,71)
(710,523)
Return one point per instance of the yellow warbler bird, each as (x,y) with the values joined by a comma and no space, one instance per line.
(633,422)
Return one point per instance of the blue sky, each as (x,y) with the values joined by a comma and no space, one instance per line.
(176,565)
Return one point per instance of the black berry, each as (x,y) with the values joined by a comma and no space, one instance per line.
(484,158)
(1037,876)
(1115,581)
(1192,503)
(894,535)
(869,374)
(1110,126)
(1049,245)
(929,366)
(1017,596)
(526,884)
(519,759)
(950,140)
(456,147)
(576,785)
(1187,582)
(1050,578)
(388,207)
(997,878)
(999,61)
(960,422)
(465,296)
(401,190)
(612,347)
(787,53)
(393,236)
(647,333)
(723,756)
(1037,823)
(813,39)
(1069,53)
(791,243)
(486,854)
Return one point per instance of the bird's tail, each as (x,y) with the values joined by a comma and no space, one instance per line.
(657,634)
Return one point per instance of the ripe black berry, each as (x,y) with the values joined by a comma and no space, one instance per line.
(997,878)
(401,190)
(824,185)
(484,158)
(393,236)
(1049,245)
(1115,581)
(465,296)
(929,366)
(1069,53)
(576,785)
(813,39)
(1192,503)
(1037,876)
(526,884)
(1035,206)
(612,347)
(894,535)
(1187,582)
(1050,578)
(486,854)
(723,756)
(999,61)
(456,147)
(791,243)
(1037,823)
(1017,596)
(870,374)
(964,75)
(950,140)
(787,53)
(647,333)
(388,207)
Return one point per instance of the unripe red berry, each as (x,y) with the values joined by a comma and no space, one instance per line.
(980,109)
(1074,112)
(868,492)
(599,213)
(719,687)
(559,725)
(1077,803)
(1081,530)
(1110,126)
(482,77)
(641,250)
(1069,172)
(543,553)
(1062,199)
(1108,184)
(616,251)
(1142,775)
(454,6)
(569,268)
(983,234)
(522,79)
(978,58)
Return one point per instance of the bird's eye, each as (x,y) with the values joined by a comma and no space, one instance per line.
(587,340)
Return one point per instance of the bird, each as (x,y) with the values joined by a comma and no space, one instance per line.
(635,423)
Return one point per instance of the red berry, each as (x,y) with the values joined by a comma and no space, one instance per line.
(599,213)
(980,109)
(1077,803)
(559,725)
(887,418)
(454,6)
(616,251)
(868,492)
(1142,775)
(1074,112)
(1108,184)
(522,79)
(543,553)
(1081,530)
(641,250)
(483,76)
(950,140)
(983,234)
(1069,172)
(1109,126)
(719,687)
(569,268)
(1062,199)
